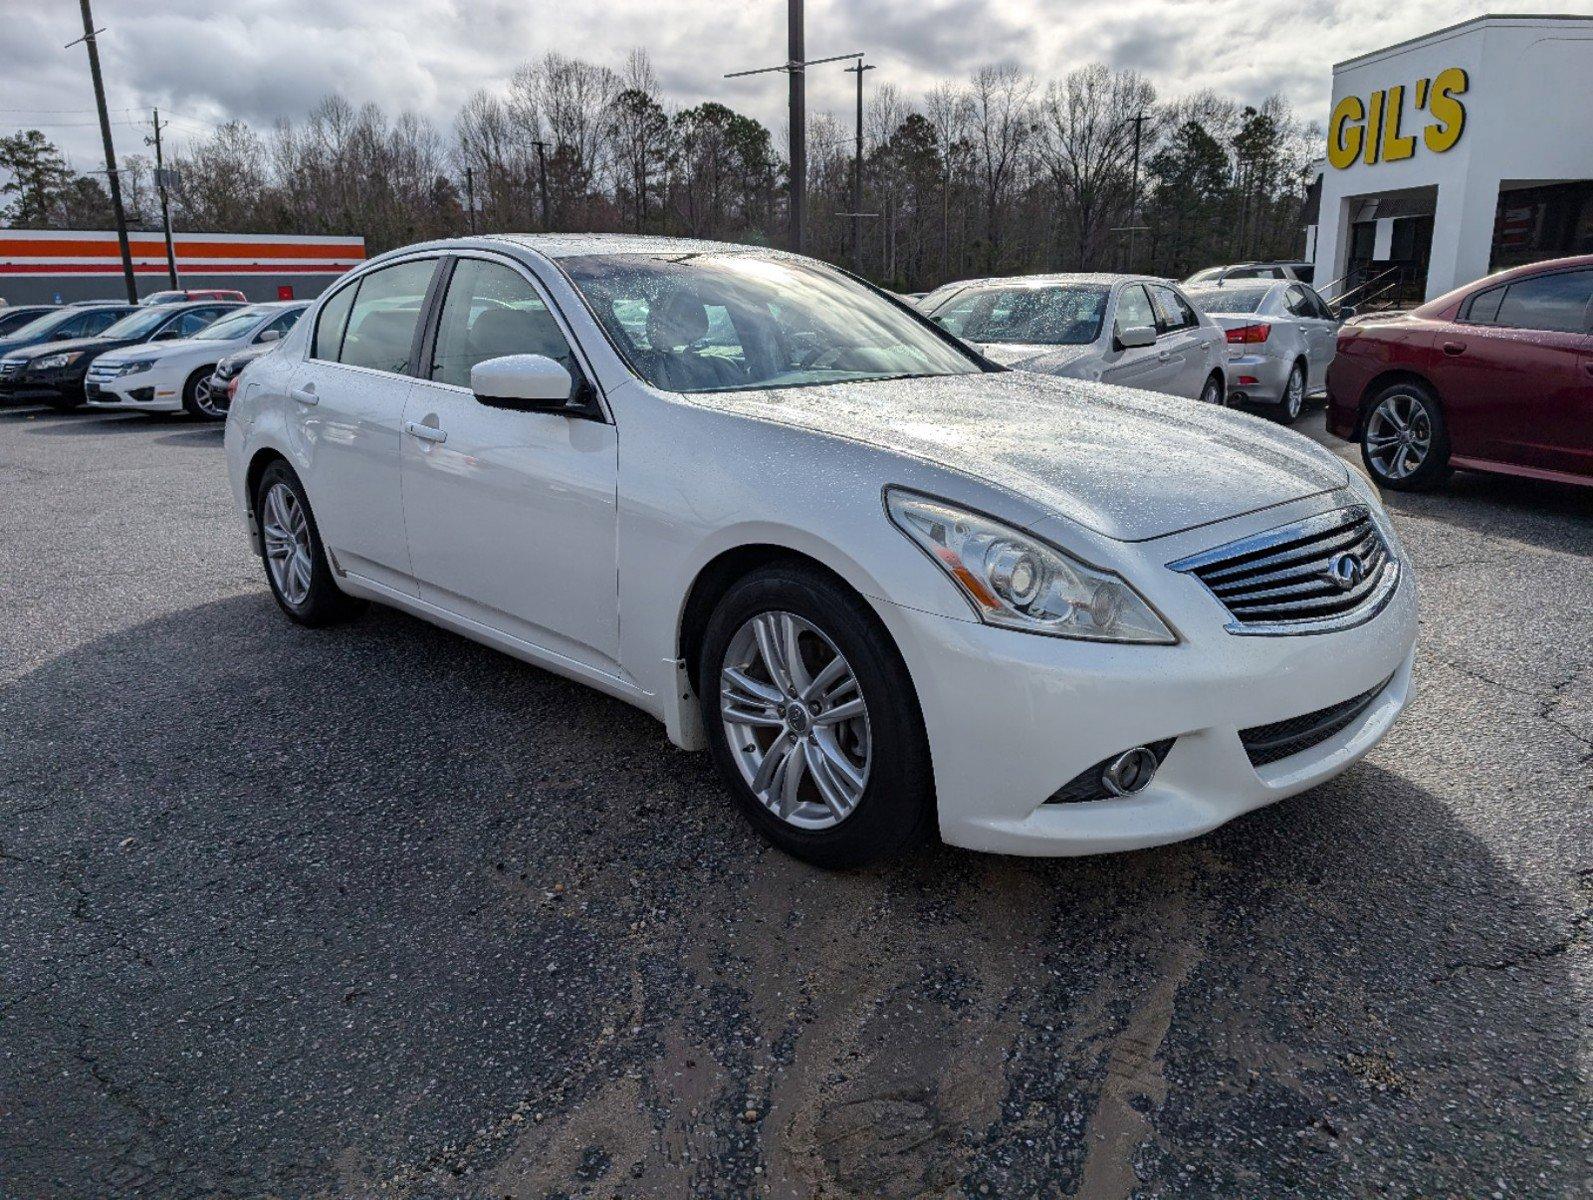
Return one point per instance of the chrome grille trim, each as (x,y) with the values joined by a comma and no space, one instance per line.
(1275,583)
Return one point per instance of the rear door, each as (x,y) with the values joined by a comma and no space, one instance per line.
(1135,366)
(1514,377)
(348,400)
(1319,330)
(1185,346)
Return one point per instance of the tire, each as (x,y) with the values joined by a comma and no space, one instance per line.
(1214,391)
(894,808)
(192,403)
(311,597)
(1292,403)
(1428,442)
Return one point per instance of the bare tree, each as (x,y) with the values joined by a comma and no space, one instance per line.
(1001,100)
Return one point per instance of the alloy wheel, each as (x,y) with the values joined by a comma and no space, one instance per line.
(289,553)
(1212,392)
(205,400)
(795,720)
(1399,435)
(1294,393)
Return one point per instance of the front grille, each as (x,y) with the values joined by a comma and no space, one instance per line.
(10,366)
(100,372)
(1326,572)
(1271,743)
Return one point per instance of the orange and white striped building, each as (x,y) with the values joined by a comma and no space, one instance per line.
(42,266)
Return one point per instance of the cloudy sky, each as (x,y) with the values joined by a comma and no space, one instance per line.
(205,61)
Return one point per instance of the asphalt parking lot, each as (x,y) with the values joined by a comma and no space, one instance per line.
(378,912)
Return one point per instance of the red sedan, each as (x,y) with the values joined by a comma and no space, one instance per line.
(1494,376)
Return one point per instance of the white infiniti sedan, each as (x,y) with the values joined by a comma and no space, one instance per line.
(174,376)
(888,585)
(1132,330)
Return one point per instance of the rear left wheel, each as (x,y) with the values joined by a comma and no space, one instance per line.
(1214,392)
(812,719)
(1292,403)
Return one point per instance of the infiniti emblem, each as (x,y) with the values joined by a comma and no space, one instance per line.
(1344,571)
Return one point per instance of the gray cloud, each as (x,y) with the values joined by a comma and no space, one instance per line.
(210,60)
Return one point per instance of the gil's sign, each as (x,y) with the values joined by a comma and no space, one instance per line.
(1369,130)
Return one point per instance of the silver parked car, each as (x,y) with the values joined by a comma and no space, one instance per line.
(1132,330)
(1281,338)
(1303,271)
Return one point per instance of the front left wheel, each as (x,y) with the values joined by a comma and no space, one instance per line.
(197,401)
(813,721)
(295,560)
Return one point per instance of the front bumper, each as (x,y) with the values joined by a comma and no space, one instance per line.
(1013,716)
(43,385)
(140,391)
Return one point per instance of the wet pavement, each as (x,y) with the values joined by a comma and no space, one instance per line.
(378,912)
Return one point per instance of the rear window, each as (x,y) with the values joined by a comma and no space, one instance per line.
(1026,315)
(1228,300)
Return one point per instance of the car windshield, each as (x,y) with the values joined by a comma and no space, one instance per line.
(1054,315)
(234,325)
(138,324)
(1227,299)
(725,321)
(44,324)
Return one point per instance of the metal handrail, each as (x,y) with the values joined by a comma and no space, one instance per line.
(1365,283)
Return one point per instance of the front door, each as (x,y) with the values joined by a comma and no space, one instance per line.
(511,514)
(1182,345)
(1513,374)
(1136,366)
(349,398)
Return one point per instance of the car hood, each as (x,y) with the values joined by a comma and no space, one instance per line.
(150,351)
(1050,359)
(1129,464)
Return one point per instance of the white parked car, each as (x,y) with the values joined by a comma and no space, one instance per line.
(890,586)
(1125,329)
(174,376)
(1281,338)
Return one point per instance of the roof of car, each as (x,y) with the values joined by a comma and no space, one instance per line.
(573,245)
(1097,277)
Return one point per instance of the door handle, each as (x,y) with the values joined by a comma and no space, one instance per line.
(304,395)
(1164,355)
(426,433)
(1454,348)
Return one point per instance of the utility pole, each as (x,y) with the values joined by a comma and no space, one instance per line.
(1138,122)
(111,174)
(795,67)
(470,196)
(542,181)
(165,206)
(857,171)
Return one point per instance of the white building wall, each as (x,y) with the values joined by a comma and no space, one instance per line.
(1529,116)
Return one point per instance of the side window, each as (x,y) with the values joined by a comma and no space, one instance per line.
(1134,308)
(1295,301)
(281,325)
(491,310)
(1170,306)
(1318,306)
(1484,306)
(329,326)
(1557,302)
(78,327)
(196,319)
(381,323)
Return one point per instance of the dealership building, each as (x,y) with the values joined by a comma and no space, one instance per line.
(50,266)
(1457,154)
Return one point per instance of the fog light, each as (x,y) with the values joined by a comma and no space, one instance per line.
(1130,772)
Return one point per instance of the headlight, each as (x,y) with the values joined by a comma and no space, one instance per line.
(55,362)
(1019,582)
(133,368)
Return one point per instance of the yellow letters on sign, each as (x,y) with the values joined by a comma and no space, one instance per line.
(1451,113)
(1345,132)
(1369,130)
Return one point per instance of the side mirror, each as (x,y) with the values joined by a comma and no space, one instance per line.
(270,335)
(1345,312)
(521,381)
(1136,337)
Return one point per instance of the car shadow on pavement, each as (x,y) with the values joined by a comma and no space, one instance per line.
(79,422)
(210,433)
(375,910)
(1525,510)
